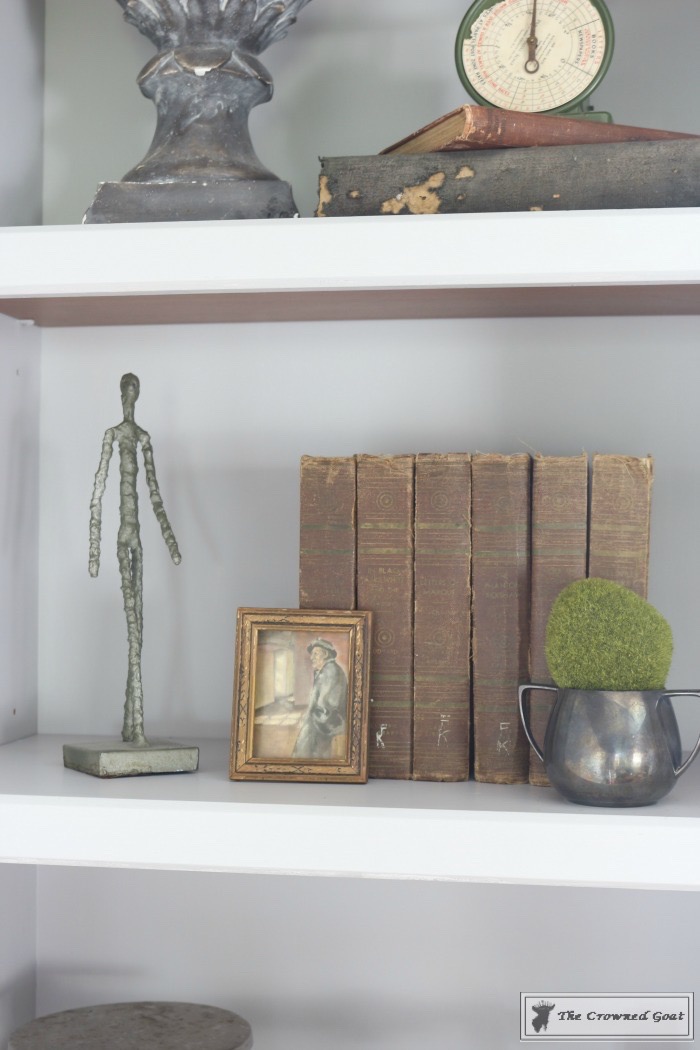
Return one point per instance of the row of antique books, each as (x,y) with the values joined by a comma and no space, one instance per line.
(459,557)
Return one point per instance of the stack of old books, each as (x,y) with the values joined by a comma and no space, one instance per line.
(459,557)
(481,159)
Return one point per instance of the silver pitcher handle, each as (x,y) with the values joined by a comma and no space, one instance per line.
(683,692)
(525,716)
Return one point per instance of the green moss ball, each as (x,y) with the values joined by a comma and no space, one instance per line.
(601,635)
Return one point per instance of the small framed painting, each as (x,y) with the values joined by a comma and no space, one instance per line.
(301,695)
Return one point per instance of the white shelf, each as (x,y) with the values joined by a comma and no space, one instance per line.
(384,829)
(516,264)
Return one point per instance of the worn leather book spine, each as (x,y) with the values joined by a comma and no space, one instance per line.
(485,127)
(621,520)
(559,548)
(385,495)
(555,178)
(442,618)
(500,614)
(327,532)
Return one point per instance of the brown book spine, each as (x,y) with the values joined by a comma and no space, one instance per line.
(500,614)
(385,495)
(559,178)
(442,618)
(620,520)
(485,127)
(327,532)
(559,547)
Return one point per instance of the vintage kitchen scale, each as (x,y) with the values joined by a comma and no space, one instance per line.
(536,56)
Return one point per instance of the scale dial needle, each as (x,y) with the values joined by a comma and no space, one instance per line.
(532,65)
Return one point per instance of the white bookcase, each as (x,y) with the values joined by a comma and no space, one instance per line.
(387,915)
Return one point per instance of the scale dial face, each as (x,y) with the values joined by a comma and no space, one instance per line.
(535,57)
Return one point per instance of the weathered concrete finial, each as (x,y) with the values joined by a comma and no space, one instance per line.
(205,80)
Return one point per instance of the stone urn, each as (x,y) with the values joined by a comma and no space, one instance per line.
(204,80)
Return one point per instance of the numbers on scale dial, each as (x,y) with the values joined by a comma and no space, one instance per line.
(570,50)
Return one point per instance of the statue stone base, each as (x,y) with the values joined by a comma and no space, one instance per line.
(117,758)
(117,1026)
(198,199)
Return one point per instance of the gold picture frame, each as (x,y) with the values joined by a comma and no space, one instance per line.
(301,695)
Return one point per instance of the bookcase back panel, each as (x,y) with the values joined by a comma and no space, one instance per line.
(17,947)
(232,409)
(349,79)
(22,112)
(19,527)
(318,963)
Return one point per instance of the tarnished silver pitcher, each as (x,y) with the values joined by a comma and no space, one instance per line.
(610,748)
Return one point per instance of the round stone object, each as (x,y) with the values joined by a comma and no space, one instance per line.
(131,1026)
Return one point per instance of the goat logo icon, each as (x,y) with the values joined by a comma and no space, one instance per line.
(542,1011)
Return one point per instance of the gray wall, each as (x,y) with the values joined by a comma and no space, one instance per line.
(21,112)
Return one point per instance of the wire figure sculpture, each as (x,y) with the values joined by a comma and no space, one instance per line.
(128,435)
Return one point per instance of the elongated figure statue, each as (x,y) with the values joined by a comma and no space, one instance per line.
(128,435)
